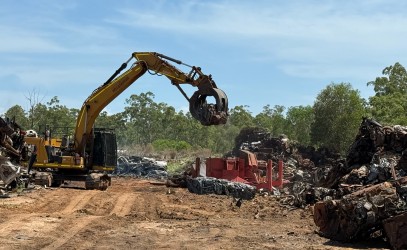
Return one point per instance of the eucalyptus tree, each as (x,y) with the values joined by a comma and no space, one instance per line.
(241,117)
(19,115)
(389,104)
(299,120)
(338,111)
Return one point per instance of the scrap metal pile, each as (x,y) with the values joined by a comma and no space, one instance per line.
(376,167)
(354,198)
(305,167)
(141,167)
(210,185)
(11,149)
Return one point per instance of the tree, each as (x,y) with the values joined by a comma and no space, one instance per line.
(299,120)
(272,119)
(223,138)
(338,110)
(148,121)
(264,118)
(17,112)
(389,104)
(35,101)
(115,121)
(53,115)
(278,121)
(58,115)
(141,118)
(241,117)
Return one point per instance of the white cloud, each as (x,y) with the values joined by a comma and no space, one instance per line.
(20,40)
(301,34)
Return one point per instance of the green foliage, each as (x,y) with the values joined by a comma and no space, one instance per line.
(17,112)
(389,104)
(338,111)
(40,115)
(299,120)
(178,166)
(395,80)
(240,116)
(223,138)
(166,144)
(389,109)
(272,119)
(104,120)
(278,120)
(264,118)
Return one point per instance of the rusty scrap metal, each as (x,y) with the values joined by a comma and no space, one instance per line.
(396,231)
(357,215)
(11,140)
(8,172)
(380,149)
(376,166)
(140,167)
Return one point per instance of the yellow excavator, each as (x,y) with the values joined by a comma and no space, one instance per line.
(92,154)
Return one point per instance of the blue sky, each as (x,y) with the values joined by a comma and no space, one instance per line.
(259,52)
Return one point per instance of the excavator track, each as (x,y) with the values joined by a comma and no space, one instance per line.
(98,181)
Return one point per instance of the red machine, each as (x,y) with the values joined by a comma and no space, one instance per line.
(245,169)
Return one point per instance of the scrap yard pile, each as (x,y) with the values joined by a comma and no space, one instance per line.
(355,198)
(137,166)
(149,168)
(11,173)
(376,167)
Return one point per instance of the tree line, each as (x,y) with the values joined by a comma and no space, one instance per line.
(332,121)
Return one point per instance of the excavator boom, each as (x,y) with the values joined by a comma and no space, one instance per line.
(155,63)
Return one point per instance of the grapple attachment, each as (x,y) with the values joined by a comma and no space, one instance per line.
(209,113)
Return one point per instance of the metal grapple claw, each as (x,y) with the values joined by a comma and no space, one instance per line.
(209,113)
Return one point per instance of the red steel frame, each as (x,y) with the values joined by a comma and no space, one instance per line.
(242,170)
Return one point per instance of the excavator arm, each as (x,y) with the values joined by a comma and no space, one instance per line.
(155,63)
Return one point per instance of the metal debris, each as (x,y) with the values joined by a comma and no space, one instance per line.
(9,172)
(357,215)
(210,185)
(376,166)
(141,167)
(354,197)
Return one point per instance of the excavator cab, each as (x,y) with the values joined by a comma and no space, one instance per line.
(104,152)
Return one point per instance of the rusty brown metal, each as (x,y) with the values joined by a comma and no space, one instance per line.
(7,130)
(358,214)
(396,231)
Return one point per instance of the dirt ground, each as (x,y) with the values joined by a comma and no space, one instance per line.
(134,214)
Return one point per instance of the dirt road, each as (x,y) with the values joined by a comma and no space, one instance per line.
(133,214)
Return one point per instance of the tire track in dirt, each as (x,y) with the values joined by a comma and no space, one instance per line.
(78,202)
(123,205)
(122,208)
(77,225)
(13,223)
